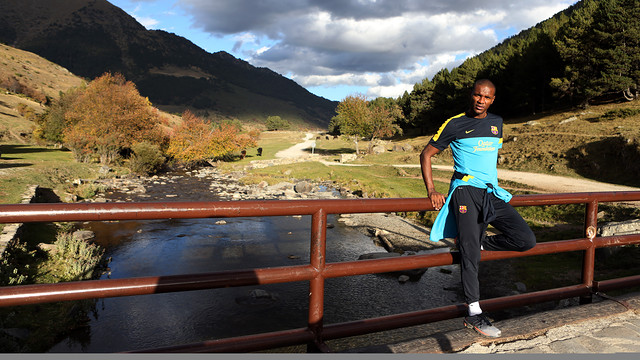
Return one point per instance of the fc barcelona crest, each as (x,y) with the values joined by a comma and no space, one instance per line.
(463,209)
(494,130)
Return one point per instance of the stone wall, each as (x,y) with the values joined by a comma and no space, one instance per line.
(620,228)
(12,231)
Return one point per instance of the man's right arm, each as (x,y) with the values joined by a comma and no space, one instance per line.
(437,199)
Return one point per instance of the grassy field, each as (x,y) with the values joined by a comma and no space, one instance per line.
(23,165)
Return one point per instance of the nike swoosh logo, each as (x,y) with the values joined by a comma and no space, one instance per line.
(468,131)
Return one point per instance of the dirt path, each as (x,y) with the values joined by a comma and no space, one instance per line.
(298,150)
(553,183)
(541,182)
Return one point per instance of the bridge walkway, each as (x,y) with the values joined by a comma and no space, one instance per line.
(606,326)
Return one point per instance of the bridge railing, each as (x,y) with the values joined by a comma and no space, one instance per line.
(318,270)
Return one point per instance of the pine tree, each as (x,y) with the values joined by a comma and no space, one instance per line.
(575,51)
(632,40)
(417,104)
(613,48)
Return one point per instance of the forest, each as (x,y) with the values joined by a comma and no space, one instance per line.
(587,54)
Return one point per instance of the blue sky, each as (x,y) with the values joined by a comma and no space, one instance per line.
(336,48)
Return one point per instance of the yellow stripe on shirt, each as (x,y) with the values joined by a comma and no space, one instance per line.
(437,135)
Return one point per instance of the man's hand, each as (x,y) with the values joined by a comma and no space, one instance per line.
(437,199)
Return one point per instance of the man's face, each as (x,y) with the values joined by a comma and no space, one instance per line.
(482,97)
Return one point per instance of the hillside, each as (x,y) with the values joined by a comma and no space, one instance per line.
(601,143)
(24,72)
(90,37)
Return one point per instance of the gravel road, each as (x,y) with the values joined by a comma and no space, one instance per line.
(411,236)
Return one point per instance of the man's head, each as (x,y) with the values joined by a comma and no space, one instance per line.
(482,96)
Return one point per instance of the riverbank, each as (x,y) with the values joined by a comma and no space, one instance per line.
(390,231)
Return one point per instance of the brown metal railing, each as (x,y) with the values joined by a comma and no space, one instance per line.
(317,271)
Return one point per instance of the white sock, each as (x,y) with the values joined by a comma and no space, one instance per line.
(474,309)
(481,247)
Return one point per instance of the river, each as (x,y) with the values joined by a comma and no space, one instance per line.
(172,247)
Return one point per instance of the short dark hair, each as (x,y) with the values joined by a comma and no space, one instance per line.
(486,82)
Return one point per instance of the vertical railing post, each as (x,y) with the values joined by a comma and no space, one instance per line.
(316,285)
(588,262)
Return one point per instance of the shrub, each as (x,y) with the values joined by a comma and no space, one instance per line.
(147,158)
(78,257)
(86,190)
(277,123)
(195,140)
(52,123)
(622,113)
(14,268)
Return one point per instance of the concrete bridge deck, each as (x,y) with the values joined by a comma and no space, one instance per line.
(606,326)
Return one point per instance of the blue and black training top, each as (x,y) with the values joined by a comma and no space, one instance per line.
(474,144)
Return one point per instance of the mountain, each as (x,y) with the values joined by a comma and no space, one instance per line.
(91,37)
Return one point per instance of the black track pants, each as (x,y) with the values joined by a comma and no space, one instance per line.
(466,204)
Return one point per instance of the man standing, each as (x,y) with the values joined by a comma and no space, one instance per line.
(475,199)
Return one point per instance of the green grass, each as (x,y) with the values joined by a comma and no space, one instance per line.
(24,165)
(377,178)
(271,142)
(374,180)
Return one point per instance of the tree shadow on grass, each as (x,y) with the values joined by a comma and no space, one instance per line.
(7,114)
(22,149)
(13,165)
(332,151)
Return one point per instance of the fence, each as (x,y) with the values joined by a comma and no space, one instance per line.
(317,270)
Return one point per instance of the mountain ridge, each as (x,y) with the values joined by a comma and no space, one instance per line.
(91,37)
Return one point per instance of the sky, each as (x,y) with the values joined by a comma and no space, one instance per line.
(337,48)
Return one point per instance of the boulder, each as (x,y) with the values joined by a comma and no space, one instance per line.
(48,247)
(379,149)
(628,227)
(344,158)
(83,235)
(620,228)
(303,187)
(568,120)
(282,186)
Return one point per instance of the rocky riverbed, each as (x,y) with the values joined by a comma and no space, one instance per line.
(392,232)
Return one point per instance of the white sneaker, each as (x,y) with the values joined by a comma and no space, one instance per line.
(482,325)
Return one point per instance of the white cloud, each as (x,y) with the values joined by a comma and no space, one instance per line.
(386,45)
(147,22)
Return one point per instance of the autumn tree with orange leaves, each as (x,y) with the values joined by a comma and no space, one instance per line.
(195,140)
(109,115)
